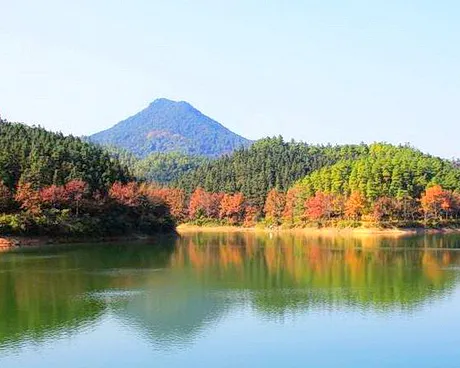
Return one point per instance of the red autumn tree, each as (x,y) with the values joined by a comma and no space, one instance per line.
(28,198)
(75,191)
(54,196)
(213,205)
(197,203)
(251,216)
(204,204)
(274,206)
(385,209)
(175,199)
(126,194)
(292,198)
(319,206)
(355,205)
(232,207)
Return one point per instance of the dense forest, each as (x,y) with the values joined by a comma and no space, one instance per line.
(388,184)
(41,158)
(294,184)
(269,163)
(161,168)
(61,185)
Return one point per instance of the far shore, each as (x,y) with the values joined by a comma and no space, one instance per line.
(24,241)
(187,228)
(16,242)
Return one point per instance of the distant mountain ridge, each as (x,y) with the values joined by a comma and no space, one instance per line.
(171,126)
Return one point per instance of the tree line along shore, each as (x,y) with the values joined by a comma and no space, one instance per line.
(57,185)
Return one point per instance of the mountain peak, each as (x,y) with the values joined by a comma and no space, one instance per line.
(167,126)
(167,101)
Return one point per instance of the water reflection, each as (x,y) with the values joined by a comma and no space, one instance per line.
(172,290)
(43,292)
(292,271)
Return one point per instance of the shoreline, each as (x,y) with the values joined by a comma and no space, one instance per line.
(8,243)
(17,242)
(189,228)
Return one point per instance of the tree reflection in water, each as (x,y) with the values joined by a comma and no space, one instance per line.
(173,289)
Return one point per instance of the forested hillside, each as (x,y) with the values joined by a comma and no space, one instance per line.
(390,184)
(268,163)
(59,185)
(161,168)
(385,171)
(53,184)
(42,158)
(294,184)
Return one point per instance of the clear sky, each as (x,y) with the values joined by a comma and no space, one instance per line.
(321,71)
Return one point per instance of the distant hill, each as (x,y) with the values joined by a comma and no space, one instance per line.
(161,168)
(268,163)
(42,158)
(376,171)
(170,126)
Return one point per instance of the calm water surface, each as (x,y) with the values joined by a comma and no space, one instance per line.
(234,300)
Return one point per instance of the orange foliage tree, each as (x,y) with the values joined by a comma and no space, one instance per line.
(173,197)
(274,206)
(292,202)
(437,201)
(355,205)
(232,207)
(204,204)
(126,194)
(69,195)
(319,206)
(28,198)
(251,216)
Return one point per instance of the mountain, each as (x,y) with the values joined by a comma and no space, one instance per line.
(171,126)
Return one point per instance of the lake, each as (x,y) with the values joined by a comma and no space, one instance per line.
(234,300)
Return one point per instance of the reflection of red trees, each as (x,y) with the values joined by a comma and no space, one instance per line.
(286,259)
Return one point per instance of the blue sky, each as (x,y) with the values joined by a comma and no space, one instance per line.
(319,71)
